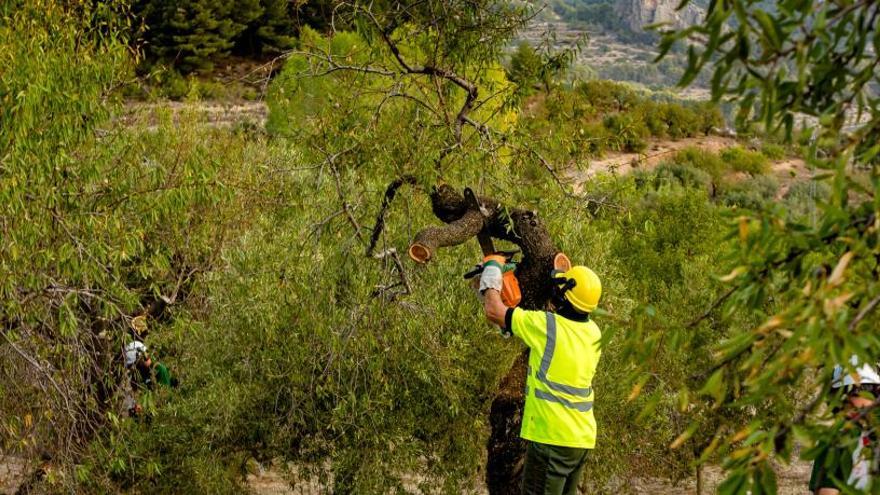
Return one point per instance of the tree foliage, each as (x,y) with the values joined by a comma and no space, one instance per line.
(812,280)
(247,251)
(99,226)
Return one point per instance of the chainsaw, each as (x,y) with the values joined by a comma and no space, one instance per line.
(510,290)
(510,293)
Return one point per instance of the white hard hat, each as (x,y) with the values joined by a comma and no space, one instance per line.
(133,351)
(864,375)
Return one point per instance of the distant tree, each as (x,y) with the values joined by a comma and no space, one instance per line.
(192,34)
(273,31)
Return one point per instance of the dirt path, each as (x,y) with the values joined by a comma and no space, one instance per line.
(792,480)
(657,153)
(12,473)
(213,114)
(273,481)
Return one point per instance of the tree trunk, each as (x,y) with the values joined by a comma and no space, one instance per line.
(467,216)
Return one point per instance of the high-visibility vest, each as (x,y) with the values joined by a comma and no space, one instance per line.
(563,355)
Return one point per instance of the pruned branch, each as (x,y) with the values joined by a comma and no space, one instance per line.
(466,219)
(454,233)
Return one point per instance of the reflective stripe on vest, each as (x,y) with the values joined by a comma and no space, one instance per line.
(546,359)
(580,406)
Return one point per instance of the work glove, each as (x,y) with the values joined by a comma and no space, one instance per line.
(492,276)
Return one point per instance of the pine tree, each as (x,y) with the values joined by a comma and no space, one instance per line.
(272,32)
(192,34)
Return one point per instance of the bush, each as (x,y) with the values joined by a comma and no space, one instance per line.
(686,175)
(676,120)
(752,193)
(743,160)
(701,159)
(709,117)
(650,115)
(173,85)
(773,151)
(594,138)
(680,121)
(525,67)
(802,197)
(808,190)
(626,133)
(608,96)
(565,106)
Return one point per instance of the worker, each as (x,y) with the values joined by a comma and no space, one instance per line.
(145,369)
(841,466)
(144,372)
(558,420)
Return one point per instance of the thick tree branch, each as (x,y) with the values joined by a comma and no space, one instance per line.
(522,227)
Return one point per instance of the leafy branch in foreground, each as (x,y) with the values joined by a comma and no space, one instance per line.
(814,284)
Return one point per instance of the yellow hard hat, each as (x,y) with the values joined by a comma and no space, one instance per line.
(139,324)
(582,288)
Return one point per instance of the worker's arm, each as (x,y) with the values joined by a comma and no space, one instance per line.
(490,287)
(494,308)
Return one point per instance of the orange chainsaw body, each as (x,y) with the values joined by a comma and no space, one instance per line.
(510,293)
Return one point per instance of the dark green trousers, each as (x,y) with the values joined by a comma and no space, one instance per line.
(553,470)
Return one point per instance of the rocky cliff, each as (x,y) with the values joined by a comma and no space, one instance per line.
(638,13)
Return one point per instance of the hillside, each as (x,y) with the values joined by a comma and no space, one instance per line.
(619,47)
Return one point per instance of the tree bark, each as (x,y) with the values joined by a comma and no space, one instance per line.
(467,216)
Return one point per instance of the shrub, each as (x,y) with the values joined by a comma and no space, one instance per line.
(752,193)
(743,160)
(686,175)
(802,197)
(567,106)
(648,112)
(709,117)
(593,138)
(811,190)
(675,120)
(773,151)
(608,96)
(173,85)
(525,66)
(680,121)
(701,159)
(626,133)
